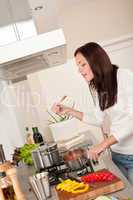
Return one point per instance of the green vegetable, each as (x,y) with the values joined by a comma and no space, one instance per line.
(25,153)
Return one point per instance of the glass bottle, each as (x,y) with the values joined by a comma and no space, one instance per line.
(38,139)
(7,187)
(29,137)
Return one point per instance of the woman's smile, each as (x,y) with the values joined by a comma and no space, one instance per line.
(84,67)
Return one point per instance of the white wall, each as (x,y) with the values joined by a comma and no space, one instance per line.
(121,51)
(84,20)
(39,105)
(10,122)
(94,20)
(25,105)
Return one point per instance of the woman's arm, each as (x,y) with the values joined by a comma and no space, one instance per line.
(62,110)
(95,151)
(93,117)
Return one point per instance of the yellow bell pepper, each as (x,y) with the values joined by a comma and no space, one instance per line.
(80,189)
(72,186)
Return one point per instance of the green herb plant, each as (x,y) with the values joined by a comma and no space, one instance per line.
(25,153)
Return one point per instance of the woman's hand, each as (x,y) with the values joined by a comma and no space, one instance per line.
(95,151)
(61,109)
(64,110)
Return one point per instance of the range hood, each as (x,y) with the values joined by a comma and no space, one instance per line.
(33,54)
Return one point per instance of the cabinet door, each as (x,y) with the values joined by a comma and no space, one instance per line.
(20,10)
(16,22)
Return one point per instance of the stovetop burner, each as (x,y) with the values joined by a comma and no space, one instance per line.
(67,167)
(62,171)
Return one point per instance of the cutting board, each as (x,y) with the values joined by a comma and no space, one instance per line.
(95,189)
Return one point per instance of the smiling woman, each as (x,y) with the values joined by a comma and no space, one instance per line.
(84,67)
(114,98)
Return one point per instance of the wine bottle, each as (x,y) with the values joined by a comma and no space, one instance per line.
(38,139)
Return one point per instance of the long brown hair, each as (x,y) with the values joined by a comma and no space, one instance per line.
(105,74)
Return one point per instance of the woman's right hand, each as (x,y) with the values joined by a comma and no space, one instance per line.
(61,109)
(64,110)
(56,108)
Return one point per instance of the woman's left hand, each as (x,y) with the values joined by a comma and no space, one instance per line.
(95,151)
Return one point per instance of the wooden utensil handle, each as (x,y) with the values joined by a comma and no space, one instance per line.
(1,195)
(12,173)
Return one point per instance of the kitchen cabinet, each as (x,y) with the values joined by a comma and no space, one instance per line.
(12,11)
(16,21)
(45,15)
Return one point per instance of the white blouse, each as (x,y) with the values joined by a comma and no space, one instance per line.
(120,114)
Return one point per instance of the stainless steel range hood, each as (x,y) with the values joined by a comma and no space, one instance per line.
(31,55)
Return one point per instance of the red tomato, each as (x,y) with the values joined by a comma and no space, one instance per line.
(98,176)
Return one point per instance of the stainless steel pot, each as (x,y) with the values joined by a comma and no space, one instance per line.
(75,159)
(46,156)
(50,156)
(78,164)
(37,159)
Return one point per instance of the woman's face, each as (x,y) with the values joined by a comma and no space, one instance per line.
(84,67)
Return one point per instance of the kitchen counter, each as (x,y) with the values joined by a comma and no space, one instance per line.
(24,172)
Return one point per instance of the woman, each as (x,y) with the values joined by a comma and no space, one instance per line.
(112,93)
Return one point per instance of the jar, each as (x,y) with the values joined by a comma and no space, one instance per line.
(7,187)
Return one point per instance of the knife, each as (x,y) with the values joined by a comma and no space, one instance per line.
(73,177)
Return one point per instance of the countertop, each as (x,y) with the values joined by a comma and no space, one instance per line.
(24,172)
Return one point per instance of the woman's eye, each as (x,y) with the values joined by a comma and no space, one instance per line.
(83,64)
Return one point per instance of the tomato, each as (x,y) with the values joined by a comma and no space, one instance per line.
(97,177)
